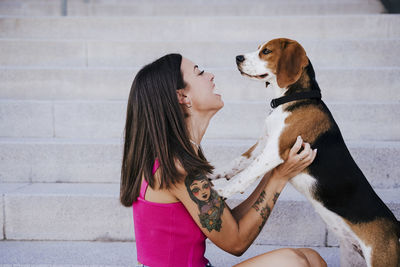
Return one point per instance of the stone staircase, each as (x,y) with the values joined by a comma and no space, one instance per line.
(64,84)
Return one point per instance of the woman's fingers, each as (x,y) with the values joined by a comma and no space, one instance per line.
(296,147)
(297,162)
(306,152)
(310,158)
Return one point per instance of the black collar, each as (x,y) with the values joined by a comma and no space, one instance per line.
(314,93)
(302,95)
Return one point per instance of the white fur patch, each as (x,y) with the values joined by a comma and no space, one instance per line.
(253,65)
(268,159)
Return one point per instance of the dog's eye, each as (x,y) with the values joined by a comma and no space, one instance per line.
(266,51)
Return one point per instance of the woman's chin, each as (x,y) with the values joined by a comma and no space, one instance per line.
(219,98)
(220,104)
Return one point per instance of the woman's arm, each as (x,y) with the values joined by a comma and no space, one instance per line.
(240,210)
(218,223)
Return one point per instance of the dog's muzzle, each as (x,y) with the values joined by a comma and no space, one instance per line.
(239,59)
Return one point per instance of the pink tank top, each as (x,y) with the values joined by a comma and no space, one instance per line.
(166,234)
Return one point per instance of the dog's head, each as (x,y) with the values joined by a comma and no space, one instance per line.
(279,61)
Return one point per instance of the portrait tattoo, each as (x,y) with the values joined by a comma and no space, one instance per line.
(211,206)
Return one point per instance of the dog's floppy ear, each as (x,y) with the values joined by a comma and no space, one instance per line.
(291,63)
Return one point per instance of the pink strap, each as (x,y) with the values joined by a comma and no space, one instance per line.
(155,166)
(144,185)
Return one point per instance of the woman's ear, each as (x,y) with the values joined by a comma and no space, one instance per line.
(182,98)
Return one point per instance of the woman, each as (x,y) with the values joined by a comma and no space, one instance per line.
(170,105)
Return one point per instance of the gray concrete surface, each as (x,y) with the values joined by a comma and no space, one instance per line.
(111,83)
(186,8)
(98,160)
(78,211)
(106,119)
(225,28)
(357,53)
(112,254)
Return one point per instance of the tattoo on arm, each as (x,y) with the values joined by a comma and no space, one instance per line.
(265,211)
(275,197)
(210,204)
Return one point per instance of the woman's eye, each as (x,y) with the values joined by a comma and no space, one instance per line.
(205,186)
(195,190)
(266,51)
(201,72)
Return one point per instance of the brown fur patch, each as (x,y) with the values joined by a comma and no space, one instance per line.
(287,60)
(309,122)
(247,154)
(303,82)
(380,235)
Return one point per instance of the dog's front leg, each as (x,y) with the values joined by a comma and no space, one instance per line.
(240,163)
(263,163)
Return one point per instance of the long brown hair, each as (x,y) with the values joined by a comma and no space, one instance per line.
(155,128)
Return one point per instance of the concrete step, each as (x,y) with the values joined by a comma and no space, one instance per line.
(84,212)
(187,8)
(389,196)
(357,121)
(197,28)
(337,84)
(113,254)
(99,161)
(106,119)
(122,54)
(226,9)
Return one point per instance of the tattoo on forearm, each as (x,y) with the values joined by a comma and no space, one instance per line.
(275,197)
(210,204)
(265,211)
(259,201)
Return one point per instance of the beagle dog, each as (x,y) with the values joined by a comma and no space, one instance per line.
(368,231)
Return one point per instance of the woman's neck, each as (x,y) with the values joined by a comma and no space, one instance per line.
(197,126)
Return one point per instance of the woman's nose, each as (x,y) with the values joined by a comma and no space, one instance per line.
(212,77)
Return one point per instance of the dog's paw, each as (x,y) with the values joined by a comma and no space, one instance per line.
(223,193)
(222,174)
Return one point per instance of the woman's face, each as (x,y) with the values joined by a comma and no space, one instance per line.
(201,189)
(200,88)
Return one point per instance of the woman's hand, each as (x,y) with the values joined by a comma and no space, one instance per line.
(295,162)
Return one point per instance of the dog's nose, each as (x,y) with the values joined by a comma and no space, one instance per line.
(239,58)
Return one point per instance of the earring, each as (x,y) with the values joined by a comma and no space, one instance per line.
(189,100)
(189,104)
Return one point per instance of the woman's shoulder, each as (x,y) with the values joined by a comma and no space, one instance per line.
(157,194)
(179,167)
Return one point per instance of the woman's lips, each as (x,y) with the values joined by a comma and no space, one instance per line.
(214,90)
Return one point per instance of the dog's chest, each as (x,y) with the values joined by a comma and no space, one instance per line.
(275,122)
(306,183)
